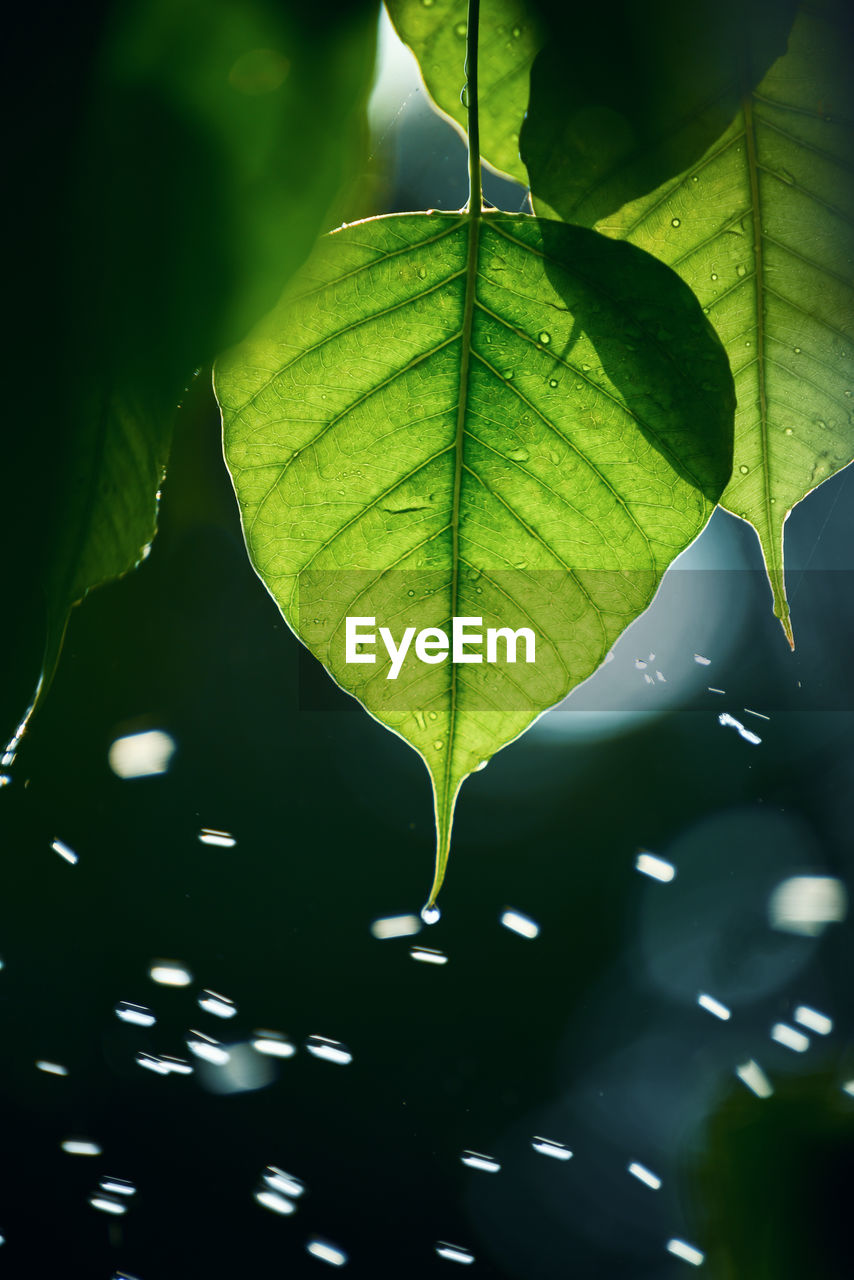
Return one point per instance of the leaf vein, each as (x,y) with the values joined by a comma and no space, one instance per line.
(372,391)
(574,447)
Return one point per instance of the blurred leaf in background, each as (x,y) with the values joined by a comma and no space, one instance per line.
(773,1178)
(172,162)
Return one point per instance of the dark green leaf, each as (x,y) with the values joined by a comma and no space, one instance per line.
(625,96)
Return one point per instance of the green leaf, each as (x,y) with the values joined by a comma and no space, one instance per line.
(435,31)
(762,229)
(174,161)
(625,96)
(473,416)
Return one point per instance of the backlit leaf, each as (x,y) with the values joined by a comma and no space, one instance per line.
(489,417)
(762,229)
(435,31)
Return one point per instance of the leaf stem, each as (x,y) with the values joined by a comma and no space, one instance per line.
(475,203)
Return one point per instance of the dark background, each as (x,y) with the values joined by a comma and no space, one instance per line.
(589,1034)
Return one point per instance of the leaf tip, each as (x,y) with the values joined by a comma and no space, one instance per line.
(777,581)
(430,911)
(781,607)
(444,802)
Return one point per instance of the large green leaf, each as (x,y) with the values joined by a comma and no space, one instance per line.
(624,96)
(473,416)
(762,229)
(173,162)
(435,31)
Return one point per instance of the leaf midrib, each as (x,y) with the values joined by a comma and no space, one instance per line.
(752,159)
(474,222)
